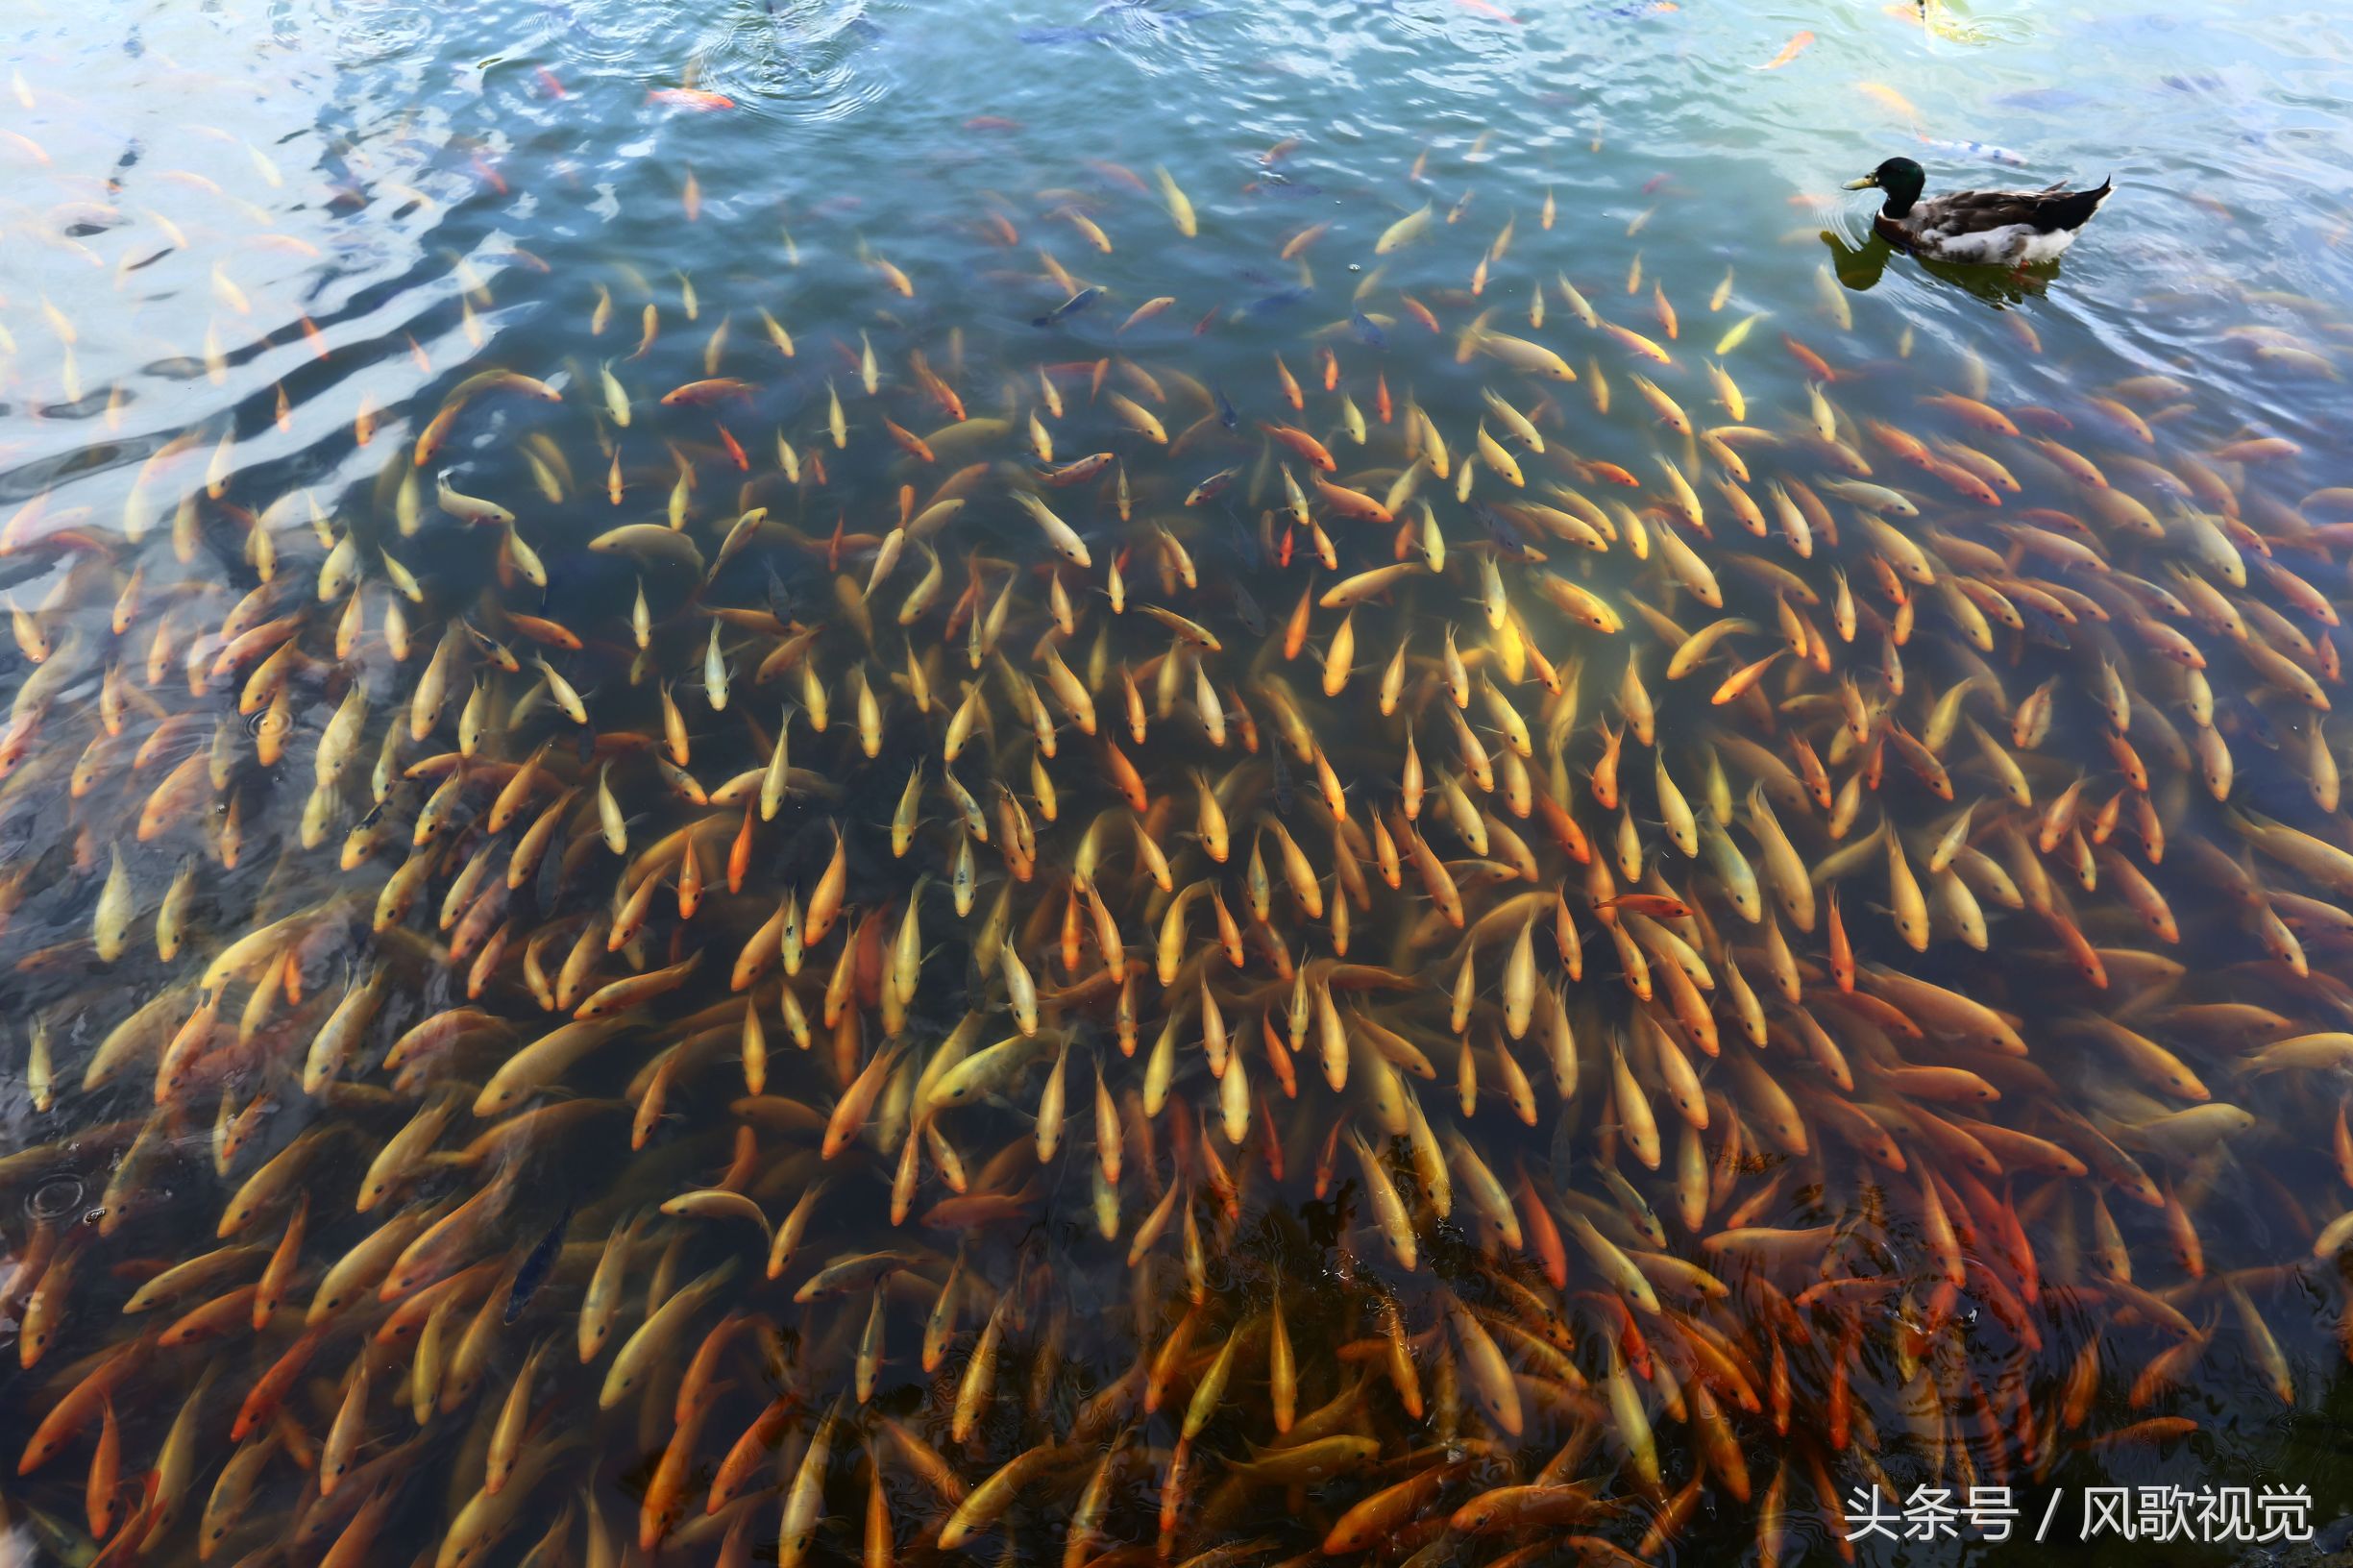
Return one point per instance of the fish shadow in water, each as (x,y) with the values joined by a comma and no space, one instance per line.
(1859,268)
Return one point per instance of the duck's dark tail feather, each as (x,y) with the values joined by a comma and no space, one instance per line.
(2073,209)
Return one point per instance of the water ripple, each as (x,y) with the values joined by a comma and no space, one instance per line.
(374,35)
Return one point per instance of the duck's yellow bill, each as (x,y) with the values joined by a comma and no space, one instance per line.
(1864,183)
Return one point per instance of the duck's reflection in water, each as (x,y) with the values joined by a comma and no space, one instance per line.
(1859,267)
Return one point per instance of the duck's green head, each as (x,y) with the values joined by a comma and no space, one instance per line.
(1900,178)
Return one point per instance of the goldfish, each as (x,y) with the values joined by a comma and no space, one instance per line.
(1404,231)
(695,98)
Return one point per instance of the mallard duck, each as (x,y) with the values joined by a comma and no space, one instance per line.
(2012,227)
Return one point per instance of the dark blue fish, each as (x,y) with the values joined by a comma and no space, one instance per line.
(2043,99)
(1282,781)
(2043,628)
(1561,1147)
(1246,610)
(1281,299)
(779,595)
(1069,307)
(537,1265)
(565,582)
(548,885)
(2260,727)
(1249,549)
(1367,333)
(1510,541)
(1227,414)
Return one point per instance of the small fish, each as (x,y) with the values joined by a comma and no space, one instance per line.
(1267,304)
(1404,231)
(1977,149)
(1069,307)
(1888,98)
(532,1272)
(695,98)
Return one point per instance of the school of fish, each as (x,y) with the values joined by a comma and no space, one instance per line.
(881,952)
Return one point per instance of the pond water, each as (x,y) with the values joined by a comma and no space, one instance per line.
(1169,783)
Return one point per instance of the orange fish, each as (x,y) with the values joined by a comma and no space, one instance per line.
(916,448)
(1308,450)
(712,390)
(690,98)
